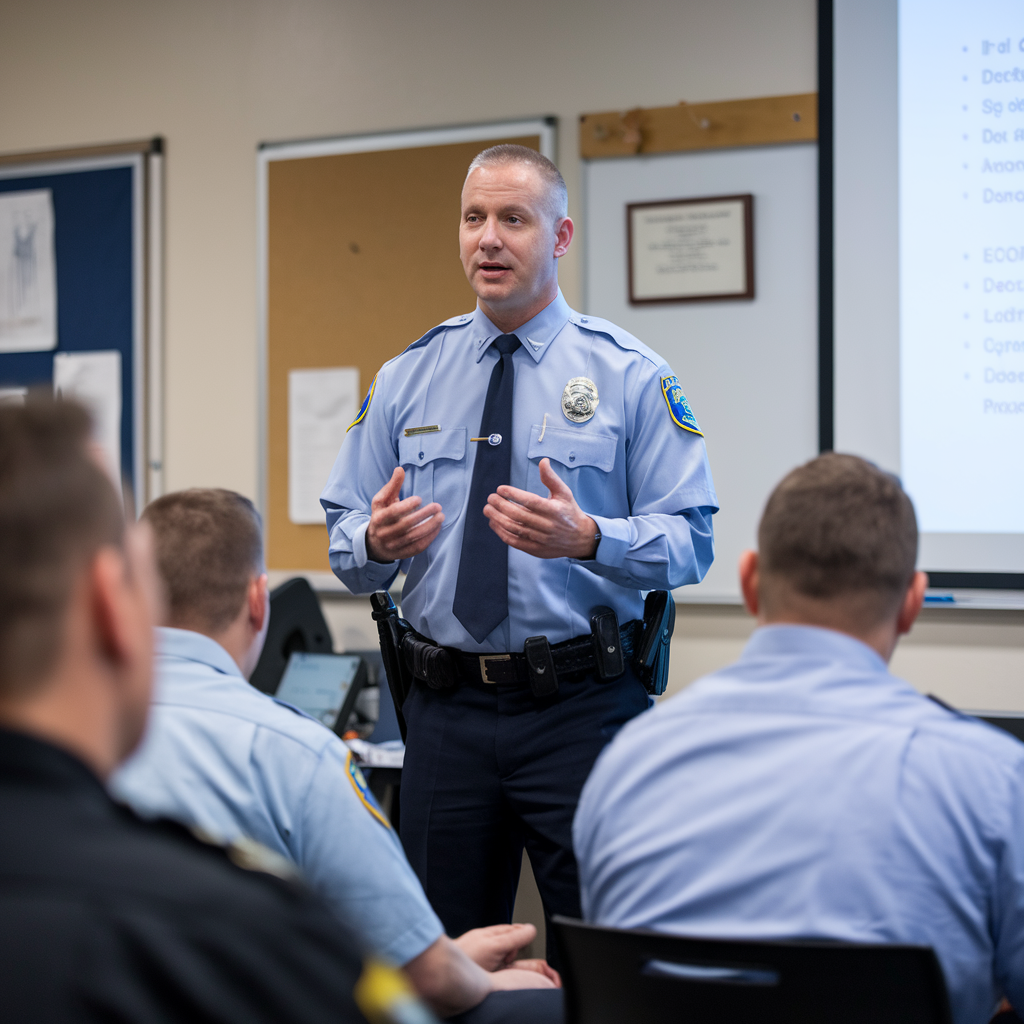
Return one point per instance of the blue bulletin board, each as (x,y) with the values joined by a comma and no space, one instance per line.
(106,248)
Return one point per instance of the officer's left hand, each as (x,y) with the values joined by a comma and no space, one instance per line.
(496,946)
(552,527)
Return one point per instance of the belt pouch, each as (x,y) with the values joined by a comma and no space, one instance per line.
(651,656)
(541,666)
(430,663)
(604,627)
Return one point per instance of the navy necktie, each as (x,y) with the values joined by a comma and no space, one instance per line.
(481,592)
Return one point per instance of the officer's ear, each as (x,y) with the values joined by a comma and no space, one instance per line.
(563,236)
(258,603)
(750,581)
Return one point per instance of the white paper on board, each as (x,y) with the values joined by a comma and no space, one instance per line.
(321,406)
(13,396)
(94,378)
(28,278)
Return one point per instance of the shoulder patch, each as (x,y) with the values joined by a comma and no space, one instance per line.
(365,405)
(678,408)
(366,798)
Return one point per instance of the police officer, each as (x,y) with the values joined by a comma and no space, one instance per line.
(104,916)
(525,465)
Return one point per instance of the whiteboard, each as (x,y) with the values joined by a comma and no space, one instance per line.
(749,368)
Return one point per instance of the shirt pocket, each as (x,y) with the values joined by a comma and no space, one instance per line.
(583,460)
(436,463)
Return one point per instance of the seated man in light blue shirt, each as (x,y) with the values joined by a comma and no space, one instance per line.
(805,791)
(232,761)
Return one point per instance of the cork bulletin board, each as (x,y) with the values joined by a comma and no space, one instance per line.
(358,258)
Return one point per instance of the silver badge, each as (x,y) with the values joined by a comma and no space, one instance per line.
(579,399)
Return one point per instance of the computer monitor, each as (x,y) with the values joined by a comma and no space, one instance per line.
(325,686)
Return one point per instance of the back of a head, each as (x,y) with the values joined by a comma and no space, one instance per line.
(57,508)
(507,154)
(841,534)
(209,546)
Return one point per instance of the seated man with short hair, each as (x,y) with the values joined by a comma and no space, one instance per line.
(806,792)
(103,916)
(231,760)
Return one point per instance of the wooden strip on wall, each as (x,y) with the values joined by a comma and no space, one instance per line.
(759,122)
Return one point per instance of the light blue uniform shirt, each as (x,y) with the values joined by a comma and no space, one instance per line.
(644,480)
(806,792)
(220,755)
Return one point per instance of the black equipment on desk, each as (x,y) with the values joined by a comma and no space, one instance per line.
(618,976)
(296,624)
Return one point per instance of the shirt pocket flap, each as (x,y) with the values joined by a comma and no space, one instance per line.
(573,448)
(421,449)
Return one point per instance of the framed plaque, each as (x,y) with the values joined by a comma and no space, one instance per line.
(691,250)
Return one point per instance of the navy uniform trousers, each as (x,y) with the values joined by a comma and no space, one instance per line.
(491,768)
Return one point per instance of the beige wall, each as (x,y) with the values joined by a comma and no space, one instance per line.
(216,77)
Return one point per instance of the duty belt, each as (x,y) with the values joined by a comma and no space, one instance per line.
(408,656)
(540,666)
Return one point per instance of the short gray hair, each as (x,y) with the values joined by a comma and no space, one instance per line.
(507,153)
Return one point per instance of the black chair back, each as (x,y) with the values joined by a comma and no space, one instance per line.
(613,976)
(296,624)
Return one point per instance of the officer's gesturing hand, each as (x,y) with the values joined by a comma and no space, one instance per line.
(552,527)
(400,529)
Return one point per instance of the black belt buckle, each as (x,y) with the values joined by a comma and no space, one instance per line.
(604,627)
(541,666)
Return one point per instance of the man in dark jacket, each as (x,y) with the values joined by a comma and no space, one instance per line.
(104,916)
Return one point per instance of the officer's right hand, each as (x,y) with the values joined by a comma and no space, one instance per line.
(400,529)
(513,978)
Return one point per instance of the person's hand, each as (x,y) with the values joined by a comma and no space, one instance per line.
(553,527)
(511,978)
(541,967)
(400,529)
(496,947)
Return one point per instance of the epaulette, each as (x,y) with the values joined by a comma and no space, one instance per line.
(295,710)
(251,856)
(455,321)
(616,334)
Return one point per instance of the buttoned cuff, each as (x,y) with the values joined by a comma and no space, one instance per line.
(373,571)
(616,539)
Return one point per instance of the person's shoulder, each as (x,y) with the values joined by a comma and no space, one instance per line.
(156,891)
(105,850)
(618,336)
(295,724)
(454,323)
(947,727)
(235,701)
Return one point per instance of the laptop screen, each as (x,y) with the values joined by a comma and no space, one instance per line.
(319,683)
